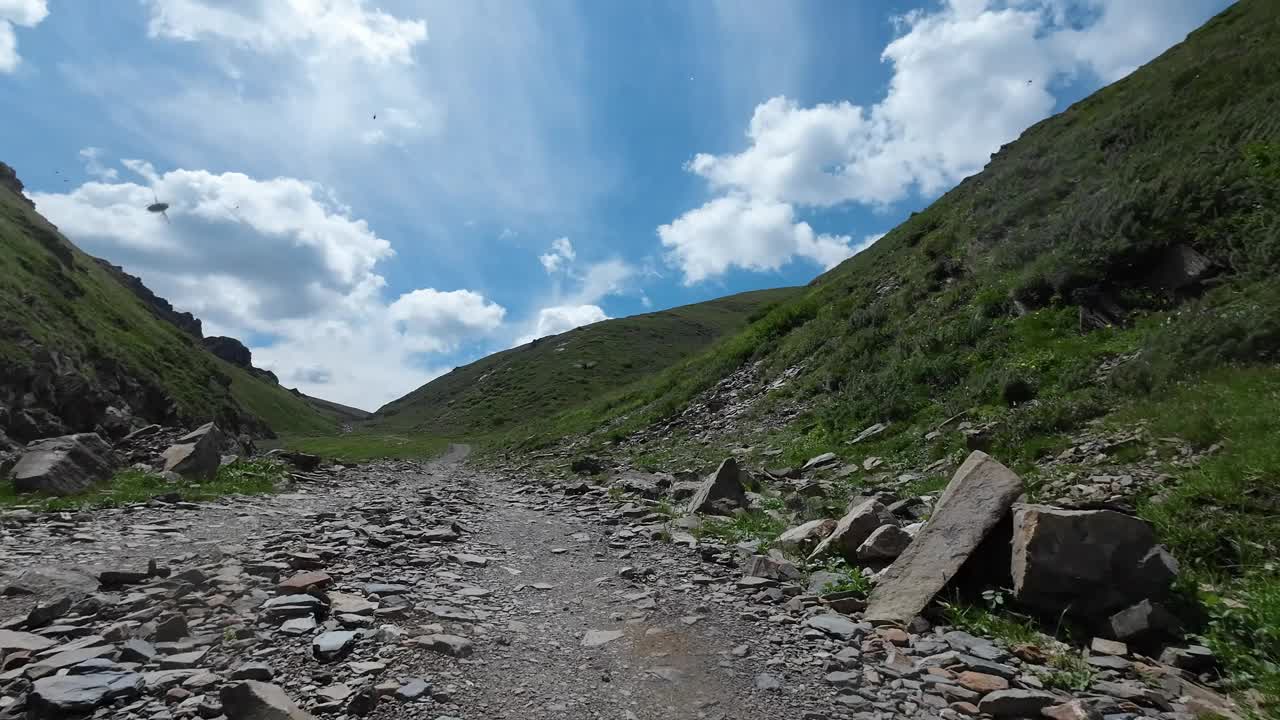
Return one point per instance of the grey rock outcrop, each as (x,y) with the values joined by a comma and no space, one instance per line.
(64,465)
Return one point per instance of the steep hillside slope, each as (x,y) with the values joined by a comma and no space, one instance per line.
(80,348)
(1098,308)
(338,412)
(549,375)
(1138,225)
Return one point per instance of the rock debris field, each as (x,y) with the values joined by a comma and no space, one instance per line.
(400,590)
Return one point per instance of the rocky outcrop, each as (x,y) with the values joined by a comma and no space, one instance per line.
(230,350)
(184,321)
(977,498)
(64,465)
(9,180)
(1086,562)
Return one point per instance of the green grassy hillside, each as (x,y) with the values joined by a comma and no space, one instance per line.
(978,301)
(512,388)
(1118,264)
(66,320)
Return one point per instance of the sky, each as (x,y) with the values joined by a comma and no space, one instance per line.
(371,193)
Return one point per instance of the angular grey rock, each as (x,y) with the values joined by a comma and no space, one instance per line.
(1085,562)
(451,645)
(886,543)
(298,625)
(137,651)
(820,580)
(253,671)
(852,530)
(11,640)
(802,539)
(252,700)
(978,496)
(837,626)
(721,492)
(1017,703)
(768,682)
(58,695)
(333,645)
(596,638)
(63,465)
(1142,621)
(819,461)
(197,454)
(413,689)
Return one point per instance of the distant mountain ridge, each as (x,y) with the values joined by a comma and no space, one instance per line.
(560,372)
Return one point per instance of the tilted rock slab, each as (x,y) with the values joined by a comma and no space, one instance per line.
(978,496)
(64,465)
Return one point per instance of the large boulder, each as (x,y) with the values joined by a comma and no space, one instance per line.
(1085,562)
(802,539)
(64,465)
(197,454)
(853,530)
(978,496)
(722,492)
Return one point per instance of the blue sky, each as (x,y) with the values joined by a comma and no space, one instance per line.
(531,166)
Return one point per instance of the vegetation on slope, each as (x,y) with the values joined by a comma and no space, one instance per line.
(54,298)
(1064,284)
(516,387)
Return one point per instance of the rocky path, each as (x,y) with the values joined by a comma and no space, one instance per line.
(450,594)
(395,590)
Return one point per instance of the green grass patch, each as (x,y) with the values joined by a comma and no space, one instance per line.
(745,526)
(851,578)
(998,623)
(359,446)
(1221,519)
(247,477)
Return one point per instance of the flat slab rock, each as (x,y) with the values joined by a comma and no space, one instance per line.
(978,496)
(65,694)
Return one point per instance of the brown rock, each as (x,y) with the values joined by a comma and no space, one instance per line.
(304,582)
(721,492)
(981,682)
(965,708)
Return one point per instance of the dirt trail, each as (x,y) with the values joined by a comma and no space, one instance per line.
(571,612)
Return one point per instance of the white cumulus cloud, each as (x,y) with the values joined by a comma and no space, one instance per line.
(745,232)
(21,13)
(560,255)
(282,265)
(562,318)
(967,77)
(313,27)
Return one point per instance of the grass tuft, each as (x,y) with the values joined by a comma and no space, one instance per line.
(248,477)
